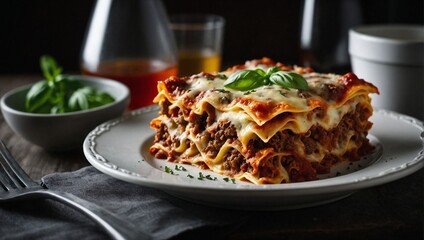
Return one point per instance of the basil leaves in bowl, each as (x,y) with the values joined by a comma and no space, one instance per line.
(66,130)
(60,93)
(59,111)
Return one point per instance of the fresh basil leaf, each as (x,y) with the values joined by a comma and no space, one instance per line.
(273,70)
(45,108)
(87,97)
(38,95)
(49,68)
(260,72)
(69,85)
(79,100)
(60,93)
(59,108)
(99,99)
(245,80)
(289,80)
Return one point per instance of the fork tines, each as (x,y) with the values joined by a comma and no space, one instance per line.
(11,174)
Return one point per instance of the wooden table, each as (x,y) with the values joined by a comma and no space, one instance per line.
(390,211)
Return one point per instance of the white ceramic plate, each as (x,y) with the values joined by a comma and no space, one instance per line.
(120,147)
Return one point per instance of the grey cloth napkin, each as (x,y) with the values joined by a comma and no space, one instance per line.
(376,213)
(157,213)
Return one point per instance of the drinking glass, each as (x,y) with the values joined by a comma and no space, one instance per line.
(199,42)
(130,41)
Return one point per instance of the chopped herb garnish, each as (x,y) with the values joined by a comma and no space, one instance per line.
(201,177)
(189,176)
(210,78)
(228,179)
(281,92)
(180,168)
(224,99)
(169,170)
(221,90)
(222,76)
(249,92)
(210,178)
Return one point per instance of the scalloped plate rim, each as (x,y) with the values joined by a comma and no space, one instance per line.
(331,185)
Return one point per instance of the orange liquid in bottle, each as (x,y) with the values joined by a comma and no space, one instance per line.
(140,76)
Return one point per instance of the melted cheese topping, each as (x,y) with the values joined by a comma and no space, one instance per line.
(240,107)
(260,114)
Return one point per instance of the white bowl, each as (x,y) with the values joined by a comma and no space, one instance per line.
(392,58)
(64,131)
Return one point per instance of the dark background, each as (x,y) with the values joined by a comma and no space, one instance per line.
(254,29)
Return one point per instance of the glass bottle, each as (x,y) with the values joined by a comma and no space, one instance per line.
(130,41)
(324,33)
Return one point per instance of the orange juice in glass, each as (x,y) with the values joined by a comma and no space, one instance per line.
(195,61)
(199,42)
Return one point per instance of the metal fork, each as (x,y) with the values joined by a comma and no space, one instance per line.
(17,185)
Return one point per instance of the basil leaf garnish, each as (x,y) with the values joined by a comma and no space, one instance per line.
(245,80)
(289,80)
(273,70)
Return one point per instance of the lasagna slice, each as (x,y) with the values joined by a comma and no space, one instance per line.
(267,135)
